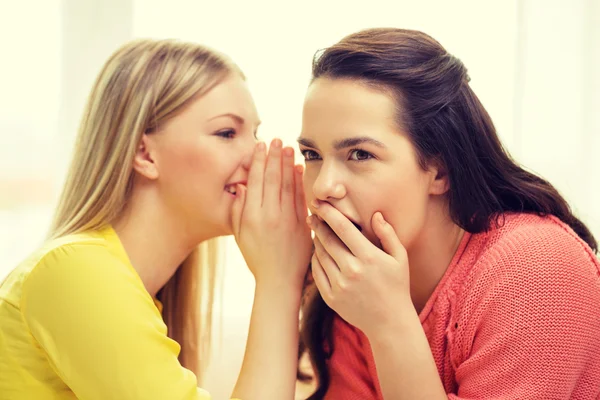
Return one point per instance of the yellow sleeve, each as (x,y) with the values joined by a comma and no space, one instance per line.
(101,330)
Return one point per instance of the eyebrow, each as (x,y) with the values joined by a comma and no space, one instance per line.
(239,119)
(344,143)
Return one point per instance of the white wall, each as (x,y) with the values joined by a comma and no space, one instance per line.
(557,108)
(533,63)
(30,90)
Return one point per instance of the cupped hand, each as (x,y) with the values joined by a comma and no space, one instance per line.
(269,219)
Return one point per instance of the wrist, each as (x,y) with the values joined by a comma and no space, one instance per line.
(279,280)
(402,321)
(278,291)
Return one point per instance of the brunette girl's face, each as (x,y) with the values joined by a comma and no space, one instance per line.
(360,161)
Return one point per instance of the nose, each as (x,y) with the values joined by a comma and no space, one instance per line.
(328,185)
(248,152)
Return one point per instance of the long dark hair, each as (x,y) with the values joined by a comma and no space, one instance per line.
(447,124)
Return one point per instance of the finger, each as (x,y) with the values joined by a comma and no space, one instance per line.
(321,280)
(238,209)
(387,236)
(272,185)
(254,196)
(287,182)
(301,208)
(329,241)
(327,263)
(344,229)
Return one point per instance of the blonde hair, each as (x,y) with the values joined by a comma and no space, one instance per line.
(142,85)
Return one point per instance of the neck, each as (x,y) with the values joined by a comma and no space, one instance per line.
(155,244)
(430,255)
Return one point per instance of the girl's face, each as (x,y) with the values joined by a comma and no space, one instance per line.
(201,153)
(361,162)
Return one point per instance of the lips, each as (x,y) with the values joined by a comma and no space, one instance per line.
(232,187)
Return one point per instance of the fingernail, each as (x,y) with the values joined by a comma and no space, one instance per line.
(276,143)
(261,146)
(309,221)
(299,169)
(380,218)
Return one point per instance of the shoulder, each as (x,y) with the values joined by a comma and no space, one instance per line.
(55,260)
(533,286)
(525,244)
(529,261)
(79,258)
(75,265)
(85,281)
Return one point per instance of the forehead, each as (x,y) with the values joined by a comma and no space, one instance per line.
(333,106)
(231,96)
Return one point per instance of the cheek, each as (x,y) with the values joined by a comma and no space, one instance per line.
(187,161)
(187,173)
(403,203)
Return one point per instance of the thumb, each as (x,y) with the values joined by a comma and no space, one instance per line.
(237,209)
(387,235)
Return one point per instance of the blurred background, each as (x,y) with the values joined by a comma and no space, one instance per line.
(535,64)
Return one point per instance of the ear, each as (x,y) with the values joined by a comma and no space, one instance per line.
(144,162)
(439,183)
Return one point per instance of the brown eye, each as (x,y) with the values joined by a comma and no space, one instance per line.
(360,155)
(227,133)
(310,155)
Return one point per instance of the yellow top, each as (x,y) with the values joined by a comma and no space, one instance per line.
(77,322)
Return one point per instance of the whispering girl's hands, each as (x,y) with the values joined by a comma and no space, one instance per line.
(269,219)
(270,229)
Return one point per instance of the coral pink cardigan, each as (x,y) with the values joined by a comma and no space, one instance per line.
(516,316)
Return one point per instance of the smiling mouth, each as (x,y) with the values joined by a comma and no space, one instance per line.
(232,187)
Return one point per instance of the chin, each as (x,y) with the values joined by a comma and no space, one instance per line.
(225,229)
(214,230)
